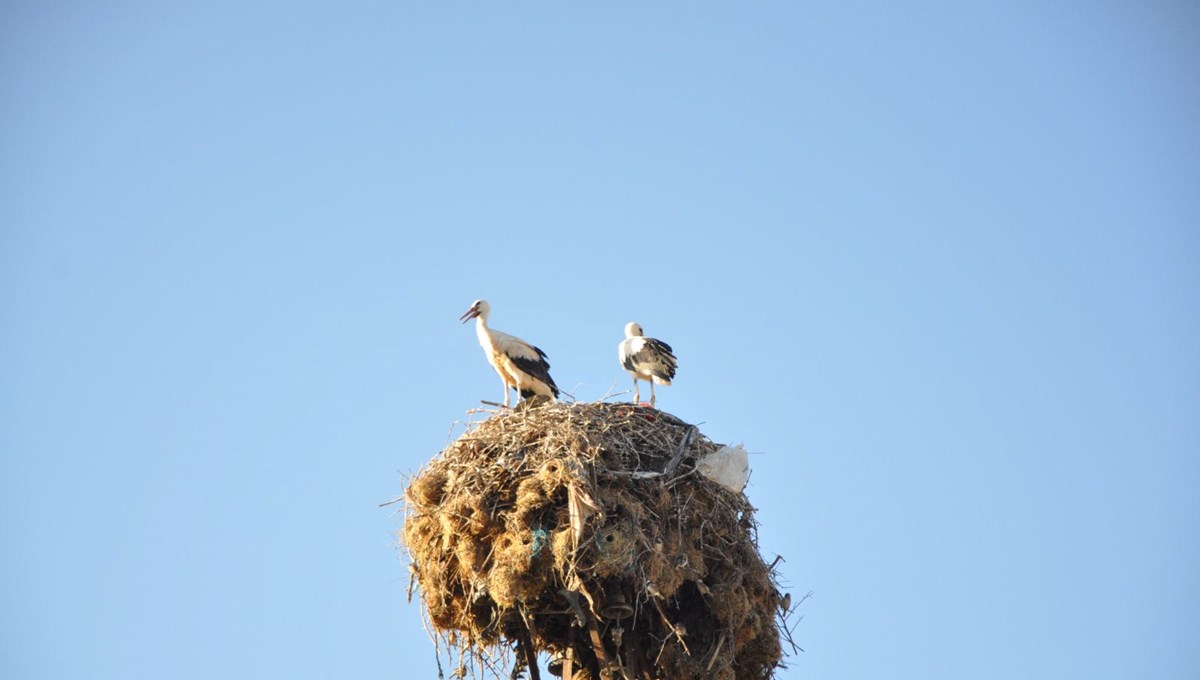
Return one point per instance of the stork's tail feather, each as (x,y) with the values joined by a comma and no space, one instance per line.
(529,394)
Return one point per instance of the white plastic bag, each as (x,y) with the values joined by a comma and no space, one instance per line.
(728,466)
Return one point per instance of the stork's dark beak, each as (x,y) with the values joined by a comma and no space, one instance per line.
(471,314)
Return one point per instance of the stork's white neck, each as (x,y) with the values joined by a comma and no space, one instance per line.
(481,331)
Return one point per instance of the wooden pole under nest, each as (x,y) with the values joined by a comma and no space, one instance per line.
(530,655)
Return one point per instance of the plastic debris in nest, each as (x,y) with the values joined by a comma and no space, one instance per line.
(728,466)
(612,537)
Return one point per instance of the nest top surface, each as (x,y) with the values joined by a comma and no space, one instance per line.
(620,438)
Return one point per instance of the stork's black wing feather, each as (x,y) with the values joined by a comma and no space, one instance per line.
(656,358)
(660,347)
(537,369)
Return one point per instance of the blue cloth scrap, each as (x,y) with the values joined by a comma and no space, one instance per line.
(540,537)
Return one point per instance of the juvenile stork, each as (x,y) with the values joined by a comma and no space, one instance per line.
(521,366)
(645,359)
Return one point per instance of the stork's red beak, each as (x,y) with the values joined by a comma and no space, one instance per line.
(471,314)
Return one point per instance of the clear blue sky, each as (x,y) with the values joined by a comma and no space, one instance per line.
(936,264)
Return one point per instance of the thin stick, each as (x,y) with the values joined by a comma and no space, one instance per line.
(412,578)
(678,457)
(573,602)
(716,650)
(789,630)
(610,394)
(667,622)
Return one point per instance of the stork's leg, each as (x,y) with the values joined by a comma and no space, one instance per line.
(651,394)
(507,394)
(636,398)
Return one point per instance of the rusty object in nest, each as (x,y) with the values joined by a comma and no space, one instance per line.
(616,608)
(580,531)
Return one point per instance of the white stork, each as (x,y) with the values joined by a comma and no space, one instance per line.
(521,366)
(646,359)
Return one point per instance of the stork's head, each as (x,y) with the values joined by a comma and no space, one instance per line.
(632,330)
(478,308)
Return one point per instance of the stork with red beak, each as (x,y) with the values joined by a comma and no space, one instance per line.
(521,366)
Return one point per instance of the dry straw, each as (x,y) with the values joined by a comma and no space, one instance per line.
(583,531)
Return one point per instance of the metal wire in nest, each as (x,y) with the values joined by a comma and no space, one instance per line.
(579,531)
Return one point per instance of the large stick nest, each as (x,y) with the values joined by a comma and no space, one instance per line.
(585,531)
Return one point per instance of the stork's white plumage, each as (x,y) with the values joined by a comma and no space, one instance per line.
(646,359)
(521,366)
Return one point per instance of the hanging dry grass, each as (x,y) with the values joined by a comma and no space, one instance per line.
(583,531)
